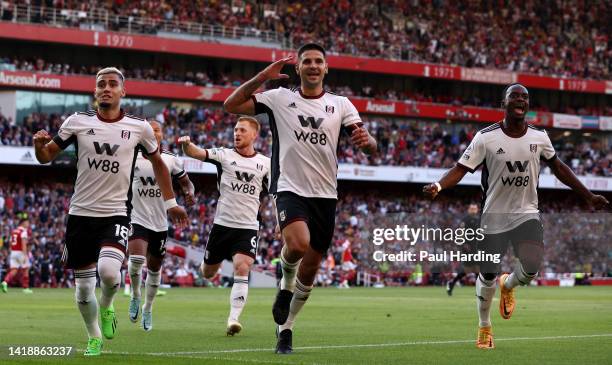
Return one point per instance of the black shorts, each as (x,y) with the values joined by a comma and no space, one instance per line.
(318,213)
(85,236)
(530,231)
(224,242)
(156,241)
(469,248)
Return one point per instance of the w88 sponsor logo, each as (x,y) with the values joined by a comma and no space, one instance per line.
(313,137)
(516,167)
(244,187)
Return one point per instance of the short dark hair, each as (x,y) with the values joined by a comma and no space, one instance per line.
(310,46)
(509,86)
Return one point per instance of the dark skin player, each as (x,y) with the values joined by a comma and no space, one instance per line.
(516,106)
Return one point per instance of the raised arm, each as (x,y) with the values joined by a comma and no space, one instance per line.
(567,176)
(240,102)
(191,149)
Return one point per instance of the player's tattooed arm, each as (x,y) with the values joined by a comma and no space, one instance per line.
(567,176)
(191,149)
(188,190)
(240,102)
(448,180)
(45,149)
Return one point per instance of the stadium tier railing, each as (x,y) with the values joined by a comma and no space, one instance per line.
(102,19)
(245,50)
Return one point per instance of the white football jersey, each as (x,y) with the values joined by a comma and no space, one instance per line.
(106,152)
(510,174)
(240,180)
(149,209)
(305,133)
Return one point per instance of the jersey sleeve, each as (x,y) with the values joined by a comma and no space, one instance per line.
(215,154)
(67,133)
(147,140)
(548,151)
(24,235)
(177,170)
(475,154)
(350,115)
(265,101)
(266,180)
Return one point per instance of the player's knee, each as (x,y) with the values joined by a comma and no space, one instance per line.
(297,244)
(242,269)
(85,292)
(531,263)
(489,276)
(109,274)
(85,285)
(530,267)
(154,266)
(209,271)
(109,265)
(154,263)
(107,277)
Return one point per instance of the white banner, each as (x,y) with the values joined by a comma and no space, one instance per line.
(17,156)
(488,76)
(419,175)
(605,123)
(426,175)
(567,121)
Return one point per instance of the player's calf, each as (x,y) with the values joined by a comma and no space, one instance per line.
(209,271)
(240,291)
(152,285)
(485,291)
(85,296)
(109,270)
(507,283)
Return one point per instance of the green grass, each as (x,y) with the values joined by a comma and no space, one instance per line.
(393,326)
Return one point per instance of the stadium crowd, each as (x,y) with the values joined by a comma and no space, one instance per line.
(575,240)
(211,76)
(401,142)
(565,39)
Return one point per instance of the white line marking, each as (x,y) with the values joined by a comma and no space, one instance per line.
(351,346)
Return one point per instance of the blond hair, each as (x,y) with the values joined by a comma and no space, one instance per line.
(251,120)
(110,70)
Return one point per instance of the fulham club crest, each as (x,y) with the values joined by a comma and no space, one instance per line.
(329,109)
(533,148)
(125,134)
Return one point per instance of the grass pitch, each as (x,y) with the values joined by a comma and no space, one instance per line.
(344,327)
